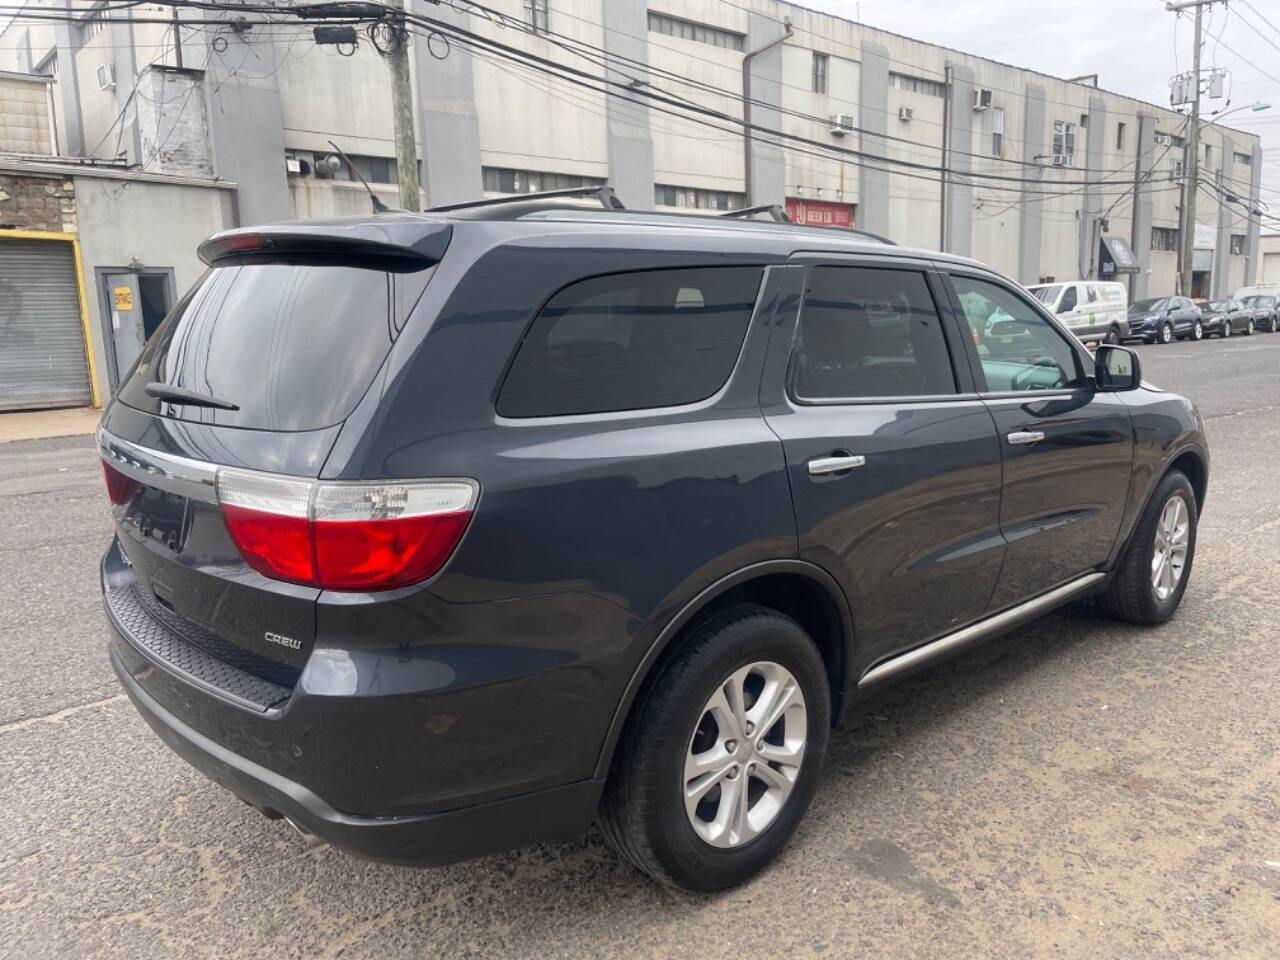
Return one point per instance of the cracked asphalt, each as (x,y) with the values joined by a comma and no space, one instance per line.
(1077,788)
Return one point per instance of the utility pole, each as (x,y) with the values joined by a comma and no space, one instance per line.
(397,57)
(1191,165)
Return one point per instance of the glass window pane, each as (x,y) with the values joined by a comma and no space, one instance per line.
(870,333)
(631,341)
(1018,348)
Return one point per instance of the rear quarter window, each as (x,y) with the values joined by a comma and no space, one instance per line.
(631,341)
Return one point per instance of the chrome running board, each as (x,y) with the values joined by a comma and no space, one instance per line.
(981,630)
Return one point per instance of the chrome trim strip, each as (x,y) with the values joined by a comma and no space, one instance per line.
(983,628)
(194,479)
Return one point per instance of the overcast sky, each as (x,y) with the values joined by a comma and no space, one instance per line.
(1134,46)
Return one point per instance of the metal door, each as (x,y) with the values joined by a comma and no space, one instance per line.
(124,300)
(897,490)
(42,351)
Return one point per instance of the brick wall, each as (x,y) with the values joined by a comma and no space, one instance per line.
(37,203)
(24,116)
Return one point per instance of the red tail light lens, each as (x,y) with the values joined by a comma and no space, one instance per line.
(120,489)
(374,536)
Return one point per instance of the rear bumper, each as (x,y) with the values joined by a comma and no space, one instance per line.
(561,813)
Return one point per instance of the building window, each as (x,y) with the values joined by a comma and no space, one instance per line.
(535,14)
(693,199)
(376,169)
(902,81)
(93,24)
(1164,238)
(1237,244)
(820,72)
(1119,136)
(1175,169)
(698,32)
(1244,159)
(1064,143)
(997,132)
(504,180)
(1208,153)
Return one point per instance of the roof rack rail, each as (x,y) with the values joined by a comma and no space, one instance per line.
(774,210)
(605,194)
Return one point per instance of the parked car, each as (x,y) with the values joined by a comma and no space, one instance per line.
(438,534)
(1265,309)
(1225,317)
(1165,319)
(1091,309)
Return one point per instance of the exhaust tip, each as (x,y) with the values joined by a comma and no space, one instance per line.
(310,838)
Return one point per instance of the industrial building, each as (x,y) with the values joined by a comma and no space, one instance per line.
(152,134)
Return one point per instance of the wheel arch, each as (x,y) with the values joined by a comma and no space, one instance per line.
(801,590)
(1192,461)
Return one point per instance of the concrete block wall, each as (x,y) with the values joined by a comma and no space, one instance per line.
(24,116)
(37,203)
(173,123)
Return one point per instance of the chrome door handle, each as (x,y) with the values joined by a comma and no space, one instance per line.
(835,464)
(1026,436)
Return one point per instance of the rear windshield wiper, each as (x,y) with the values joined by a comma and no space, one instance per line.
(163,391)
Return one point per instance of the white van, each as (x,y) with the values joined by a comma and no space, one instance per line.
(1091,309)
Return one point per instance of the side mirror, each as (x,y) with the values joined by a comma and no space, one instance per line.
(1116,369)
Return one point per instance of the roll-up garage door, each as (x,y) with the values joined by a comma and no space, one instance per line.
(42,358)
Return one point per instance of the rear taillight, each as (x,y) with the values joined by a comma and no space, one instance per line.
(345,536)
(120,489)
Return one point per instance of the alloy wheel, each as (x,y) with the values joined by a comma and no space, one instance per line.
(1249,329)
(1166,333)
(1198,331)
(1226,328)
(745,754)
(1169,553)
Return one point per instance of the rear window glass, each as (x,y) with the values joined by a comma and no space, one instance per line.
(293,345)
(632,340)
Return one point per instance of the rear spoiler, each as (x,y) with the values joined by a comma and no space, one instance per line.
(400,243)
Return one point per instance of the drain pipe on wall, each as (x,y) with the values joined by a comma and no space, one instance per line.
(746,109)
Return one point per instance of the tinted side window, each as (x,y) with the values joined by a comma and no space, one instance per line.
(866,332)
(1068,300)
(1018,348)
(632,340)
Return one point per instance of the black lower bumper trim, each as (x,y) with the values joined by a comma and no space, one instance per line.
(561,813)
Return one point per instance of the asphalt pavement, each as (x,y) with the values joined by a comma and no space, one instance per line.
(1079,788)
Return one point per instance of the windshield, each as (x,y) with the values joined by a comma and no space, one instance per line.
(1148,306)
(1047,295)
(1217,306)
(1260,301)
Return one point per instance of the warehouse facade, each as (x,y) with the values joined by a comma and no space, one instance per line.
(850,126)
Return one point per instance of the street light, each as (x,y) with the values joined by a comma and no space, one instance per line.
(1257,106)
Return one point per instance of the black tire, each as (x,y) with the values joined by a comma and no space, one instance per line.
(642,811)
(1166,332)
(1113,335)
(1130,595)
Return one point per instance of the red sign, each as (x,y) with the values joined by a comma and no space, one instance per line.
(820,213)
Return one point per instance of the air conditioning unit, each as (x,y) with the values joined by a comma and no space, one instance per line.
(841,123)
(981,99)
(905,113)
(1164,139)
(106,76)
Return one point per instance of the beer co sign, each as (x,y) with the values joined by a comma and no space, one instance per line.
(820,213)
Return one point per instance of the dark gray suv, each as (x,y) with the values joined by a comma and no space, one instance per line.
(440,534)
